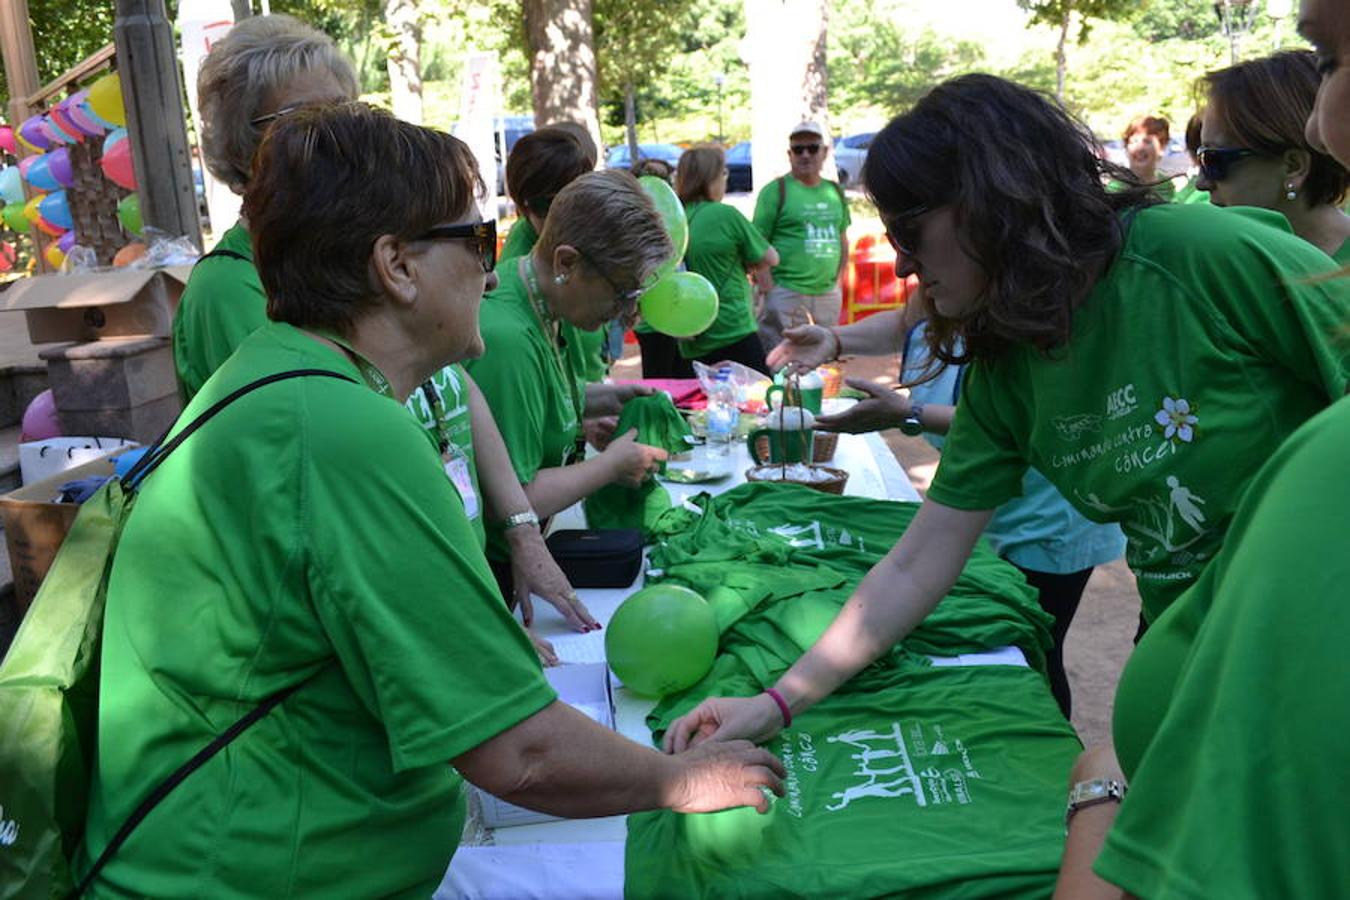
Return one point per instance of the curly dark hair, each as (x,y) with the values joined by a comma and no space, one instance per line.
(1026,181)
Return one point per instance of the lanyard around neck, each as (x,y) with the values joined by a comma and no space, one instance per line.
(545,319)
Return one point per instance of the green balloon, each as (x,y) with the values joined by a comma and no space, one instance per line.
(737,838)
(681,304)
(129,213)
(671,210)
(14,217)
(661,640)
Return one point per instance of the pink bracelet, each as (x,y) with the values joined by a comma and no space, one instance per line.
(782,706)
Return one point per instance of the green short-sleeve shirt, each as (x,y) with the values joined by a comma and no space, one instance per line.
(222,304)
(308,532)
(805,231)
(1238,777)
(1202,348)
(722,243)
(519,240)
(535,402)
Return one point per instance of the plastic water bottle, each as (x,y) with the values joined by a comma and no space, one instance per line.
(723,414)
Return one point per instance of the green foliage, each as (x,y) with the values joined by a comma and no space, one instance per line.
(1165,20)
(1054,12)
(65,32)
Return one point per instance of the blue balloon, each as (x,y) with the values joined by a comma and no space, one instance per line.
(11,184)
(56,209)
(40,175)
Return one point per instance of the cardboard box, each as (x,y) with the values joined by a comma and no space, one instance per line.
(96,305)
(35,527)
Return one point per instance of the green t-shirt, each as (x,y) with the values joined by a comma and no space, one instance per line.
(519,241)
(222,304)
(1200,350)
(1189,193)
(912,779)
(452,387)
(1342,254)
(1238,778)
(536,404)
(805,231)
(306,534)
(722,243)
(1166,189)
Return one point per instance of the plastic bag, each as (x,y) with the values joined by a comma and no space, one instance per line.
(162,249)
(749,384)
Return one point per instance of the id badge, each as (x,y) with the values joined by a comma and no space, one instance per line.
(457,470)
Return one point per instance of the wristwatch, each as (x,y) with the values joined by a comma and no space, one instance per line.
(521,518)
(1093,793)
(912,423)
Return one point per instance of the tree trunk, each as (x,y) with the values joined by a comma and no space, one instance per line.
(405,59)
(1061,57)
(784,45)
(630,119)
(562,62)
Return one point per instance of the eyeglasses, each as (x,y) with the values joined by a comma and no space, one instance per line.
(1216,161)
(804,149)
(482,238)
(625,304)
(902,230)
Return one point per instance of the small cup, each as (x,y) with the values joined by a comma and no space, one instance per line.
(791,436)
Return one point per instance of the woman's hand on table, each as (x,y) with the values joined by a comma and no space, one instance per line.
(882,409)
(724,775)
(534,571)
(804,347)
(717,719)
(543,648)
(632,463)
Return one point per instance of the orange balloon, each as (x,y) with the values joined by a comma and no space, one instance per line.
(129,254)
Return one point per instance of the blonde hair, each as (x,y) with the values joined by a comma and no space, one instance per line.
(260,54)
(611,220)
(698,169)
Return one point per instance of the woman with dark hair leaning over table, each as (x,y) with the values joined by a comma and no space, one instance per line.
(316,543)
(266,68)
(1148,359)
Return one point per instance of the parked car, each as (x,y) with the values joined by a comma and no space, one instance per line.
(849,155)
(618,157)
(509,129)
(740,176)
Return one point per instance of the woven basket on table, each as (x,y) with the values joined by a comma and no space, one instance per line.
(834,486)
(823,446)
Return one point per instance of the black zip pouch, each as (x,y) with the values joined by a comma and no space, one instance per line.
(598,558)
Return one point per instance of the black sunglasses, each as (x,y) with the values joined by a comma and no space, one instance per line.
(482,237)
(805,149)
(902,230)
(1216,161)
(625,306)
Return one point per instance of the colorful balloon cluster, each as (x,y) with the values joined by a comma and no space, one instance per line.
(88,114)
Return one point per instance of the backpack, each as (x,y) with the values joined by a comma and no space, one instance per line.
(49,685)
(781,181)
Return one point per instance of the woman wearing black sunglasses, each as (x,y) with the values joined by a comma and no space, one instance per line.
(1147,358)
(1254,151)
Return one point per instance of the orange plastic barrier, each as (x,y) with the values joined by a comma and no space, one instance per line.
(870,282)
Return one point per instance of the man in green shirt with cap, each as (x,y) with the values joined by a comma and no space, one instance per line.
(805,217)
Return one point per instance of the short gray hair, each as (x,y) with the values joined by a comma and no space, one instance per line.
(259,54)
(608,216)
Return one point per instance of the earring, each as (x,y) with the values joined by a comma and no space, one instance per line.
(560,279)
(1290,193)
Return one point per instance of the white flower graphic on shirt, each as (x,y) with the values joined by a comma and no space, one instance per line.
(1176,419)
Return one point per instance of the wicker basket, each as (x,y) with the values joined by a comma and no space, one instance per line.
(823,446)
(834,486)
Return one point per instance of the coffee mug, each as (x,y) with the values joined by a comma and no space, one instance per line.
(784,446)
(811,397)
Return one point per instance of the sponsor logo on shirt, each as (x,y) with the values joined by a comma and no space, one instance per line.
(9,829)
(1072,428)
(1121,402)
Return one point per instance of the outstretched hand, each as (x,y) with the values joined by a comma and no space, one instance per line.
(803,347)
(883,408)
(755,718)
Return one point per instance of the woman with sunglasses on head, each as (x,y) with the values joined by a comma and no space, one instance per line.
(267,68)
(1254,151)
(722,246)
(1146,358)
(319,549)
(601,241)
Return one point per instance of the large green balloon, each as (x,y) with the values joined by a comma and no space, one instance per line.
(129,213)
(681,304)
(14,217)
(671,210)
(661,640)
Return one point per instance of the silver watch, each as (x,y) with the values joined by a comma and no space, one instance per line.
(527,517)
(1093,793)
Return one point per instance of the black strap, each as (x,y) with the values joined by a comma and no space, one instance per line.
(227,254)
(157,453)
(782,195)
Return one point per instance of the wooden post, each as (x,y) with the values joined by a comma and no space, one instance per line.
(16,42)
(242,9)
(153,93)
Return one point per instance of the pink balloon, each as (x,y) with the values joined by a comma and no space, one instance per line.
(40,421)
(59,118)
(116,164)
(79,118)
(54,132)
(25,164)
(7,142)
